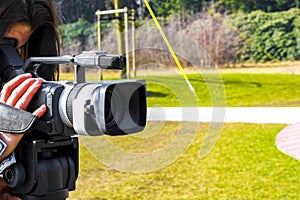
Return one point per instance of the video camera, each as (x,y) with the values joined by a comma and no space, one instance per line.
(47,158)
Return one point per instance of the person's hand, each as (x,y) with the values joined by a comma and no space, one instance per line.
(18,92)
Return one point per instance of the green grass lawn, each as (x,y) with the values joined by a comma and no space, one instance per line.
(262,89)
(244,164)
(220,89)
(238,89)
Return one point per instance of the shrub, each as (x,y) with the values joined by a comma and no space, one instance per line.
(269,36)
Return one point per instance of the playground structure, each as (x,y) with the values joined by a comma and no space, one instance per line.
(123,42)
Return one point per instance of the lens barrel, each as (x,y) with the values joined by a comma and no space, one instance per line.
(108,107)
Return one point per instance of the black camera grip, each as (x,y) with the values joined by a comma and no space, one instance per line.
(17,121)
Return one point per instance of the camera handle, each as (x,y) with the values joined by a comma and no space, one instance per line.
(45,170)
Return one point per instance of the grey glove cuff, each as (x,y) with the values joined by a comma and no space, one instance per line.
(17,121)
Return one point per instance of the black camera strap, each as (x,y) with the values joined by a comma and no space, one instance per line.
(17,121)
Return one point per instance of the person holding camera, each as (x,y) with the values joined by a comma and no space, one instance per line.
(33,25)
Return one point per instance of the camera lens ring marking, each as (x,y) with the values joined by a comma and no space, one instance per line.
(62,104)
(78,107)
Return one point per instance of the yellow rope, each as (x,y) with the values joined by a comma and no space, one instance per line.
(169,46)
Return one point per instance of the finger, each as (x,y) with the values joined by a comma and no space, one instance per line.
(9,86)
(27,96)
(40,111)
(17,93)
(15,198)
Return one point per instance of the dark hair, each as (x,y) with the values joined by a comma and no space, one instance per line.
(44,40)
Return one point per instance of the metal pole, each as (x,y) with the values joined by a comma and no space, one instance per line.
(133,42)
(126,43)
(99,29)
(119,28)
(99,37)
(119,35)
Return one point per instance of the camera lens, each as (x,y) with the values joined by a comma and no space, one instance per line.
(113,109)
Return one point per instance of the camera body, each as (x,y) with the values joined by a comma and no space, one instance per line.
(47,158)
(49,94)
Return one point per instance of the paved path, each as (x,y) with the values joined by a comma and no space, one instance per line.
(271,115)
(288,140)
